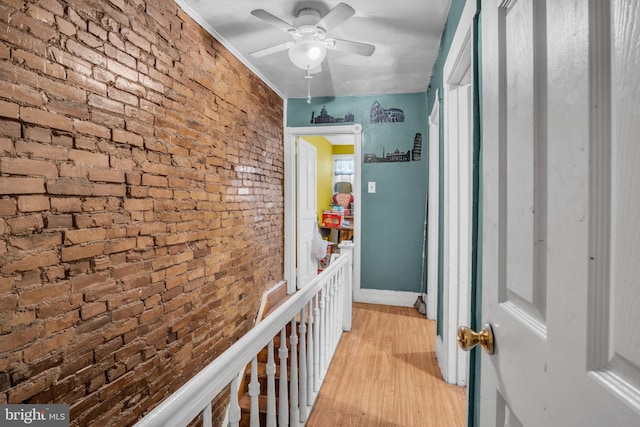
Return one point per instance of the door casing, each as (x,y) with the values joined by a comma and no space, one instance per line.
(457,201)
(290,196)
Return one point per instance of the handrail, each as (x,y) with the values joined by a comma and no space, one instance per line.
(194,396)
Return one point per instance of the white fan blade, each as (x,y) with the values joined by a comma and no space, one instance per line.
(350,46)
(273,20)
(336,16)
(273,49)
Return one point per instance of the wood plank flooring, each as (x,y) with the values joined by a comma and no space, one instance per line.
(385,374)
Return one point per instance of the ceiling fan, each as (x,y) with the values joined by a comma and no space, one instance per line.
(309,46)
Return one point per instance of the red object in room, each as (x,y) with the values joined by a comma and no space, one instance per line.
(331,220)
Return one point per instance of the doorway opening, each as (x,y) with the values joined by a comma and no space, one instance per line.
(349,135)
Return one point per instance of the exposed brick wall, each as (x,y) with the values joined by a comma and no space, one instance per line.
(141,201)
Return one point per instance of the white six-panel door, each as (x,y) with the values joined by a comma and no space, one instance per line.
(561,212)
(307,211)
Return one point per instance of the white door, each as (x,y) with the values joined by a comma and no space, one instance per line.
(561,213)
(307,212)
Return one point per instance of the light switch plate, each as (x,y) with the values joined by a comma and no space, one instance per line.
(371,187)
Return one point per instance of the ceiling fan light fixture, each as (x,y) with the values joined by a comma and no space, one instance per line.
(307,54)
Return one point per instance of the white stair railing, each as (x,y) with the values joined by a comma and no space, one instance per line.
(322,308)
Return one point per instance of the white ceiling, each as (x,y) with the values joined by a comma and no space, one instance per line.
(406,34)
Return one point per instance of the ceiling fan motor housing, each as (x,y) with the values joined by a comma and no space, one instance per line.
(306,22)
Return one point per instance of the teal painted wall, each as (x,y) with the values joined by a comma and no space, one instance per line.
(393,217)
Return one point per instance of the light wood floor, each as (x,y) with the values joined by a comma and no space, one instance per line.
(385,374)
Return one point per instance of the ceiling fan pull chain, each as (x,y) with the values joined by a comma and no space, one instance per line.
(308,77)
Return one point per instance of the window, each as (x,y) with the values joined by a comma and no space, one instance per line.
(343,169)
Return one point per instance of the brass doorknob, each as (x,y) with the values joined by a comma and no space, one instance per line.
(467,338)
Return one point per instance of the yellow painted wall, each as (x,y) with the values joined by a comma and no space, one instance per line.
(324,165)
(343,149)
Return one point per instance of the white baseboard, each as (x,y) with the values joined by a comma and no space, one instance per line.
(382,297)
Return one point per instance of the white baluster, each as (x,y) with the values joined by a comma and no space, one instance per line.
(283,412)
(206,416)
(327,328)
(310,353)
(336,306)
(271,386)
(316,344)
(293,380)
(323,330)
(234,407)
(254,392)
(340,300)
(332,318)
(303,367)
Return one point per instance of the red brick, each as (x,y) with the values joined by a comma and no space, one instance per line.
(65,27)
(120,245)
(22,166)
(6,145)
(25,223)
(42,151)
(131,87)
(91,129)
(8,302)
(41,30)
(105,103)
(36,241)
(75,237)
(66,321)
(10,185)
(71,62)
(115,190)
(120,135)
(88,282)
(86,53)
(44,118)
(74,253)
(52,6)
(136,39)
(106,175)
(66,204)
(51,292)
(62,90)
(4,51)
(31,262)
(19,38)
(28,389)
(90,310)
(138,204)
(59,221)
(7,207)
(37,134)
(69,187)
(88,158)
(10,128)
(9,109)
(19,337)
(128,311)
(33,203)
(40,64)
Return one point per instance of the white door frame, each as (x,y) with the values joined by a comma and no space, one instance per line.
(290,135)
(457,207)
(433,209)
